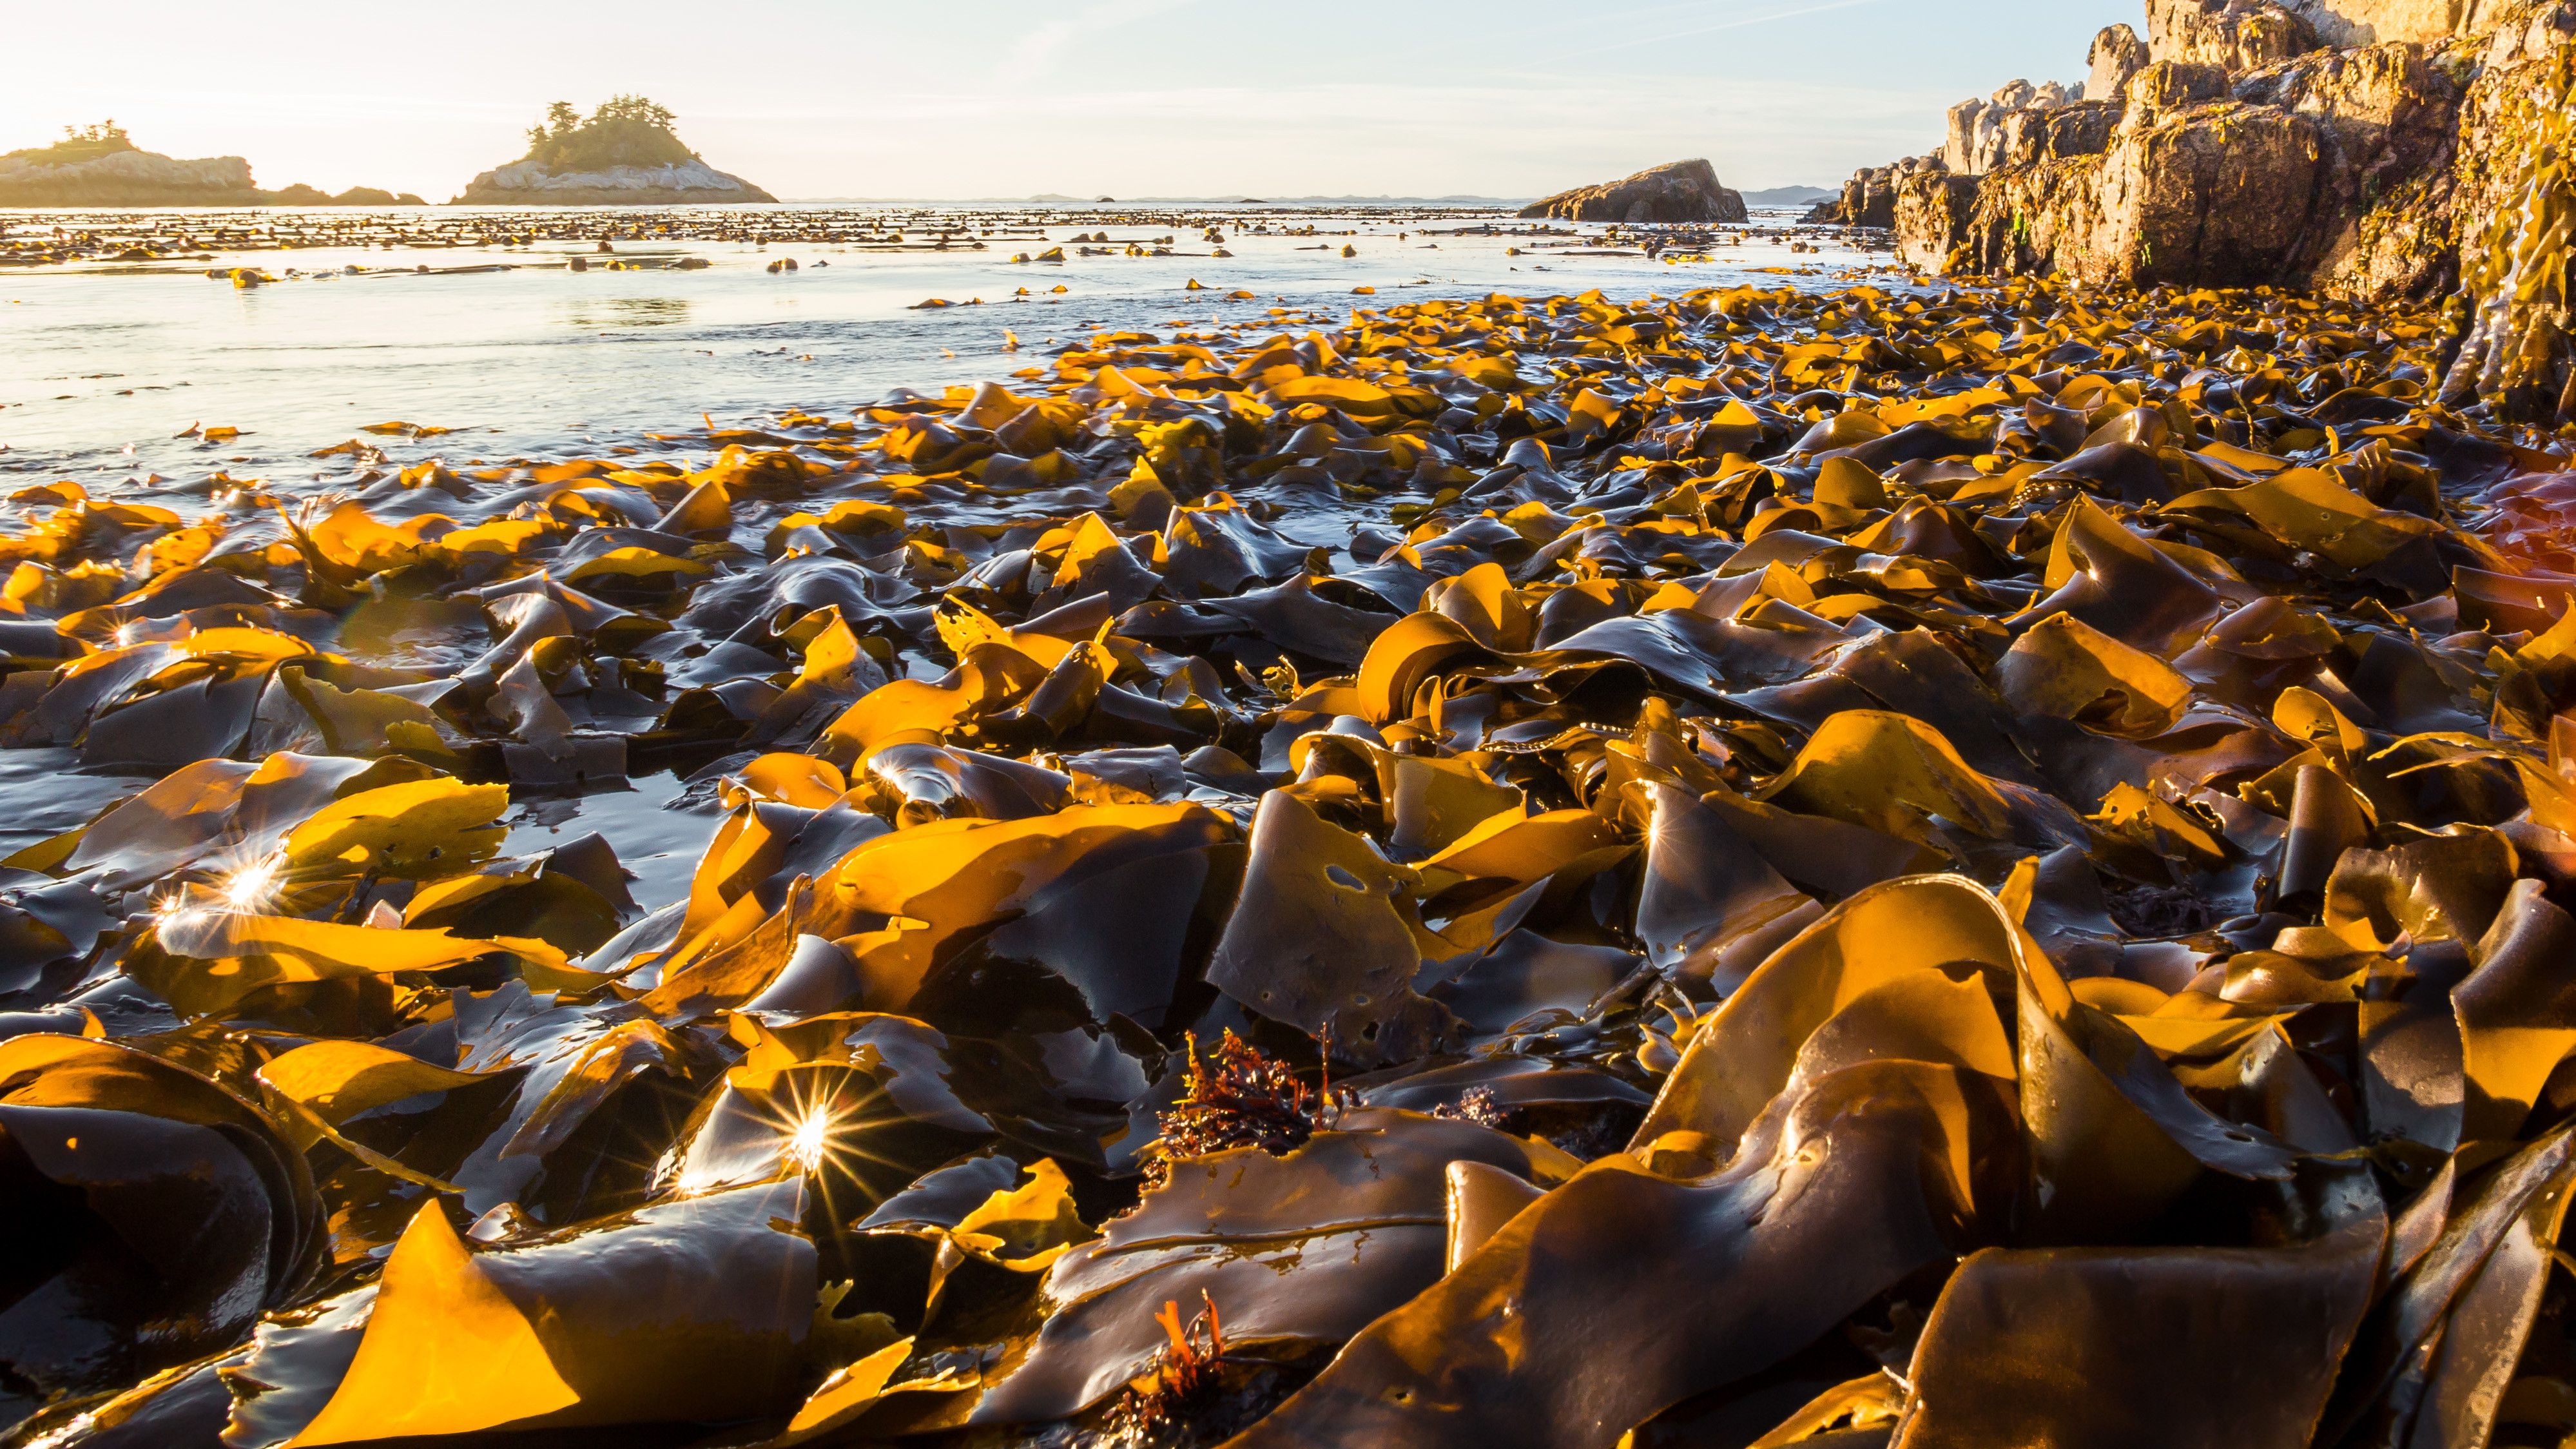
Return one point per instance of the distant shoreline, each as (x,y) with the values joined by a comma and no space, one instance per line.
(1774,196)
(1234,200)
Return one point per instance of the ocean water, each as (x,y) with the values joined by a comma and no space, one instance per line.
(102,364)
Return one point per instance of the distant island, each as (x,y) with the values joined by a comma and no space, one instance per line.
(1789,196)
(628,153)
(101,166)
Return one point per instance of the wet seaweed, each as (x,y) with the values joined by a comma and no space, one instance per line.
(1240,1096)
(1786,860)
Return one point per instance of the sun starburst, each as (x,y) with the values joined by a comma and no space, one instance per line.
(809,1139)
(251,886)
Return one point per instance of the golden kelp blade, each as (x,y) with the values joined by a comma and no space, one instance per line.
(445,1353)
(425,828)
(851,1391)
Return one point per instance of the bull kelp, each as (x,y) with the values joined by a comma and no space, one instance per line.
(1765,867)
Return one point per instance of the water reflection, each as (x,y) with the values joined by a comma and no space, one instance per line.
(604,314)
(347,337)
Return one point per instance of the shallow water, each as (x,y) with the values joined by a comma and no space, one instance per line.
(659,847)
(97,359)
(101,363)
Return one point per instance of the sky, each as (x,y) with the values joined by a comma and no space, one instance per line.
(943,99)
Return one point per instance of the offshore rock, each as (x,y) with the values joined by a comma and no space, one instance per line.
(302,195)
(128,178)
(371,196)
(688,183)
(1683,191)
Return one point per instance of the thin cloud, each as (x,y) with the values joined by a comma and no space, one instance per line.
(1032,54)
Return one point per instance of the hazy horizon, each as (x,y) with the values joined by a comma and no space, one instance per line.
(893,98)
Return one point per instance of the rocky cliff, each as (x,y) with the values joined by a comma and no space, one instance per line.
(527,183)
(2243,143)
(1683,191)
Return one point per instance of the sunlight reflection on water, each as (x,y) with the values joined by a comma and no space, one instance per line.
(542,359)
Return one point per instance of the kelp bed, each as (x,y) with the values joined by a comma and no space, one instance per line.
(1981,869)
(39,238)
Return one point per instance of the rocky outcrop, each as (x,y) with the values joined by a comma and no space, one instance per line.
(302,195)
(2017,119)
(2250,150)
(2346,23)
(128,178)
(2118,54)
(1933,204)
(688,183)
(2234,35)
(1982,132)
(1684,191)
(1869,198)
(371,196)
(2305,174)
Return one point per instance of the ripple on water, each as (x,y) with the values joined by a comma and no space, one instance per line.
(659,846)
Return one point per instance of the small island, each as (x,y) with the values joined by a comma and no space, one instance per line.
(100,165)
(626,154)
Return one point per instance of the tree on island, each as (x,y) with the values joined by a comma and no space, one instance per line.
(624,131)
(80,143)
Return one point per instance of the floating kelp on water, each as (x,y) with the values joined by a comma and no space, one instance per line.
(1763,866)
(141,236)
